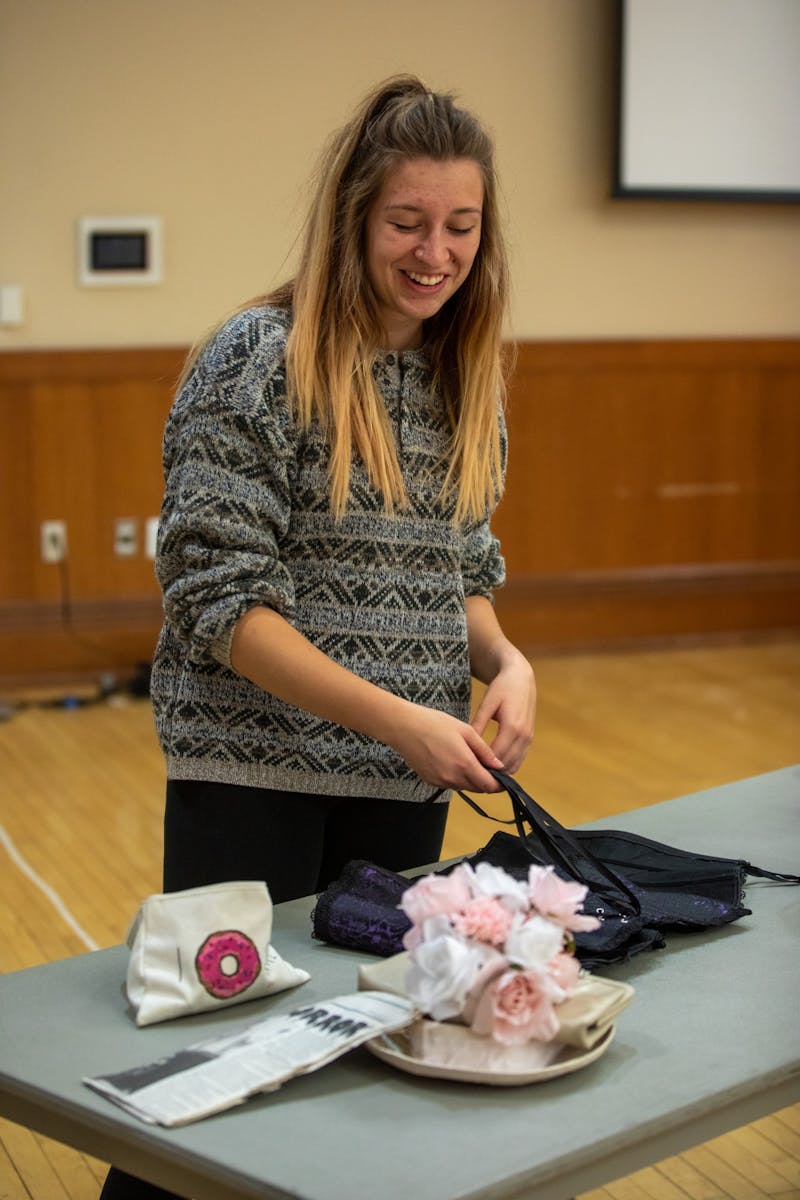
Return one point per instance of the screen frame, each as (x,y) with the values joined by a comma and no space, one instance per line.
(621,189)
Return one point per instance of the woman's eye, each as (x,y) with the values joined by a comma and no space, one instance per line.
(456,229)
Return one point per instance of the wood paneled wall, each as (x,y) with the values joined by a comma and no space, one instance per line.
(81,443)
(653,491)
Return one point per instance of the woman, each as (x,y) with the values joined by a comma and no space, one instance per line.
(332,461)
(325,554)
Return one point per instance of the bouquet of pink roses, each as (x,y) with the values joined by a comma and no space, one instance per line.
(493,952)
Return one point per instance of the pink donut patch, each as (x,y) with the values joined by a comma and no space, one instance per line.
(227,963)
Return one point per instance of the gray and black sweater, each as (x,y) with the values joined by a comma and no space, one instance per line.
(246,522)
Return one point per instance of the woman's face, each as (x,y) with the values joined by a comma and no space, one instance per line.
(423,232)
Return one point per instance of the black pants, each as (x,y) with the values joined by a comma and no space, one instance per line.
(297,843)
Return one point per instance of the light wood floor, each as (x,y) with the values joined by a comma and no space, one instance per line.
(81,809)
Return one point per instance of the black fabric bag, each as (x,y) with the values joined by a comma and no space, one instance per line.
(639,888)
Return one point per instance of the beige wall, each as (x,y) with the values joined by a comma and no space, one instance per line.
(210,113)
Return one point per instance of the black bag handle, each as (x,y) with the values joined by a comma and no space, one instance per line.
(763,873)
(562,847)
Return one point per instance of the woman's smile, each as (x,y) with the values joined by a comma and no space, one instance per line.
(427,281)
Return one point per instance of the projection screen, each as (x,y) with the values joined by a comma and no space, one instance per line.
(708,100)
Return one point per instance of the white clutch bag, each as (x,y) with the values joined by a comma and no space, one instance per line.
(204,948)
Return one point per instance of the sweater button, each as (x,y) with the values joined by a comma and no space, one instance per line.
(390,360)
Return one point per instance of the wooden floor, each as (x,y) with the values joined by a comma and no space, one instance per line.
(81,813)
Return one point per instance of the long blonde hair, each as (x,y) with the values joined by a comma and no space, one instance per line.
(336,328)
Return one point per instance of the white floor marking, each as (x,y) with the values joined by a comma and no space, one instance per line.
(44,887)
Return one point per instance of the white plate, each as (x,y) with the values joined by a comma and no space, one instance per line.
(389,1049)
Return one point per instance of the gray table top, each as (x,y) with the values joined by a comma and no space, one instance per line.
(710,1042)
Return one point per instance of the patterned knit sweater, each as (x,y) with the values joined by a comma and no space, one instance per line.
(246,522)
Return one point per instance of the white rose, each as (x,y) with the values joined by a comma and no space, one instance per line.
(442,969)
(533,943)
(494,881)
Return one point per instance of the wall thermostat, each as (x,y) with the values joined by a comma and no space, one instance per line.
(119,251)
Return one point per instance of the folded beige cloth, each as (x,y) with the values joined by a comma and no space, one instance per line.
(584,1019)
(591,1009)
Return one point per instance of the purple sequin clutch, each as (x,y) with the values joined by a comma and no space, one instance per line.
(359,910)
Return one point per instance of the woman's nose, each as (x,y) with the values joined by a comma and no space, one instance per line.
(433,250)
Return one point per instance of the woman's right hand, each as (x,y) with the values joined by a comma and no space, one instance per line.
(445,752)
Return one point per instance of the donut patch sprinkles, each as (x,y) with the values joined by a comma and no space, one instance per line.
(227,963)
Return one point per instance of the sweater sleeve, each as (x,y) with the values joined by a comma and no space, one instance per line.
(483,566)
(229,457)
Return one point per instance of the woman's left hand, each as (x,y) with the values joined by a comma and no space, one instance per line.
(510,700)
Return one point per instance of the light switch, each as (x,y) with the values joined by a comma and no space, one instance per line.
(10,304)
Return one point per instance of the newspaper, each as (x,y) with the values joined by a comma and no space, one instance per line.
(214,1075)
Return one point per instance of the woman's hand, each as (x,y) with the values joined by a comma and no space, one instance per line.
(510,697)
(445,752)
(510,700)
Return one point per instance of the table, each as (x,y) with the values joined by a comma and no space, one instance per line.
(709,1043)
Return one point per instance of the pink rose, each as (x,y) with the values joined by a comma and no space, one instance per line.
(435,894)
(517,1007)
(559,899)
(565,971)
(485,919)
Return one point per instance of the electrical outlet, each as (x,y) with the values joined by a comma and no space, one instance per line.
(126,534)
(53,541)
